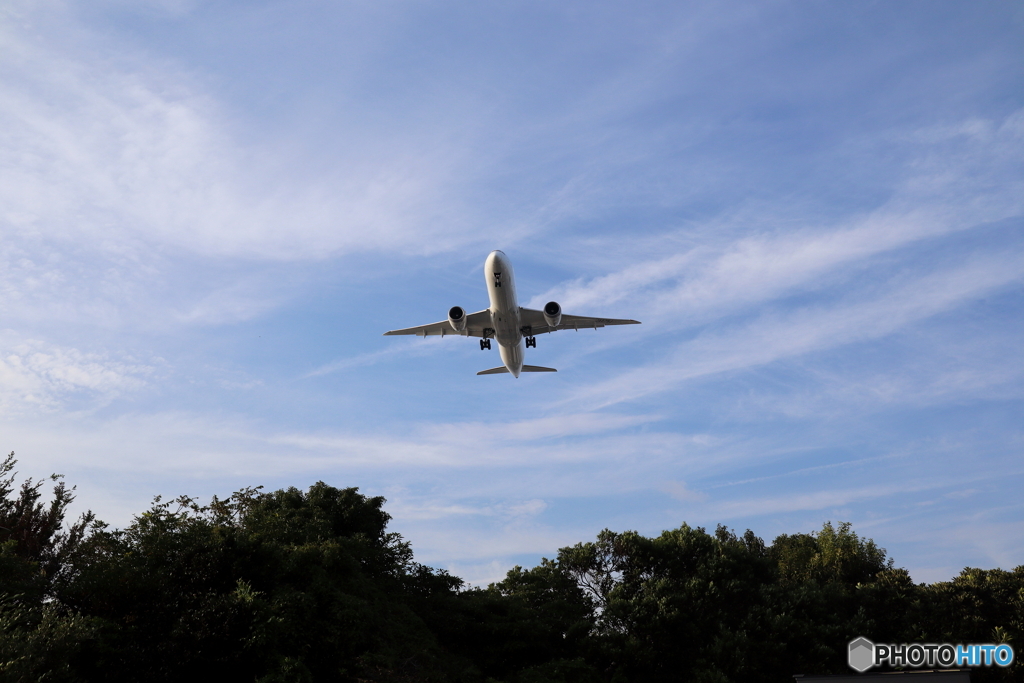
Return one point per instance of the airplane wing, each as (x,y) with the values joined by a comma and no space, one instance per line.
(538,325)
(476,323)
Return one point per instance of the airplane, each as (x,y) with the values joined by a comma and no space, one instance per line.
(507,322)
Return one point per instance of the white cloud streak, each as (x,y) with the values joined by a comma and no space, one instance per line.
(957,190)
(774,336)
(38,376)
(134,157)
(132,190)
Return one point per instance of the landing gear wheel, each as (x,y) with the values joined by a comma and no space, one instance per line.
(531,342)
(485,344)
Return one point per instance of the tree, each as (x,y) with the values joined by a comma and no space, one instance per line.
(38,636)
(310,585)
(288,585)
(977,606)
(684,605)
(34,531)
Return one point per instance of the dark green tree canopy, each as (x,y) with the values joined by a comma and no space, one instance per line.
(309,585)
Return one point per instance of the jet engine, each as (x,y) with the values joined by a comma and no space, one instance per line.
(457,318)
(552,314)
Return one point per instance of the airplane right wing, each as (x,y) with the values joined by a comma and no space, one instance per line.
(538,325)
(476,323)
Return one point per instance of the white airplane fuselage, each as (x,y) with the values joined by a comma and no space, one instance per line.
(514,328)
(505,315)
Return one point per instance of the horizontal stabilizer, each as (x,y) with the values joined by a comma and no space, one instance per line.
(526,368)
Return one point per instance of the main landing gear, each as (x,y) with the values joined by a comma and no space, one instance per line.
(531,342)
(485,344)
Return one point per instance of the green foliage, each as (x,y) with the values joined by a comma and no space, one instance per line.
(547,619)
(34,531)
(310,586)
(285,585)
(41,642)
(833,555)
(675,607)
(39,639)
(978,606)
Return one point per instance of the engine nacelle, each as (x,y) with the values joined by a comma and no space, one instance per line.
(457,318)
(552,313)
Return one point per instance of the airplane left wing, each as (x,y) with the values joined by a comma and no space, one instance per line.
(538,325)
(476,323)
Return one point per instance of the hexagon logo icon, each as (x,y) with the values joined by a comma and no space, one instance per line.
(862,654)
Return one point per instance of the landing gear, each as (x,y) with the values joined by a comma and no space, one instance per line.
(531,342)
(485,344)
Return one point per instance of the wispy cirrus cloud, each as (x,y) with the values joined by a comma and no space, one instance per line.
(944,194)
(815,214)
(242,443)
(120,157)
(38,376)
(776,335)
(421,347)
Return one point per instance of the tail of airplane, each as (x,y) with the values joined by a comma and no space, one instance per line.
(526,368)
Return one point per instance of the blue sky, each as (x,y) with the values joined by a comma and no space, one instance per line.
(210,211)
